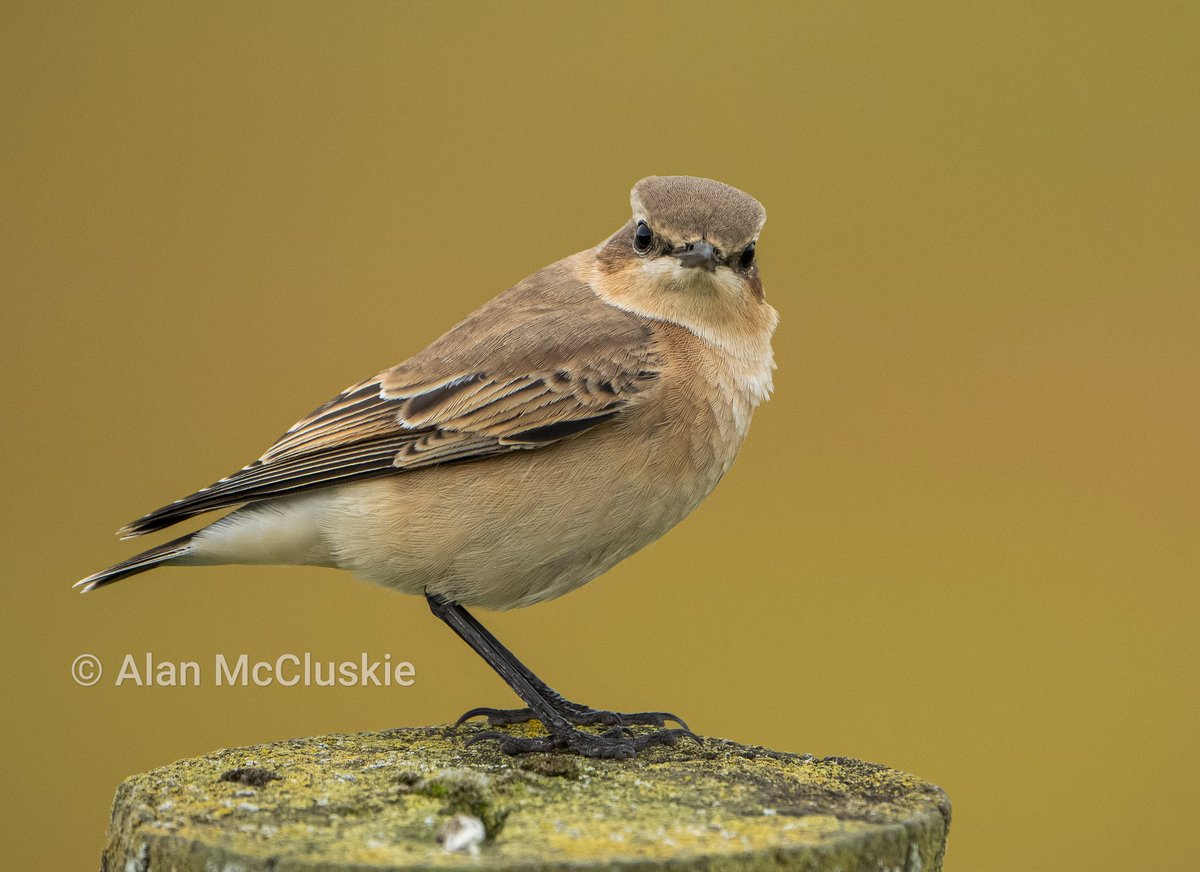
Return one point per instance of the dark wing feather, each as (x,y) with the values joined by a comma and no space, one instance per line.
(513,379)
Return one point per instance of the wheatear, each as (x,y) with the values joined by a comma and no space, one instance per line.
(570,421)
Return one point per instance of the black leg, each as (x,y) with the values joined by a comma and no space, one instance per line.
(562,735)
(576,713)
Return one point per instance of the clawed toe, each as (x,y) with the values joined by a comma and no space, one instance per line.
(579,716)
(586,717)
(498,717)
(663,737)
(513,744)
(618,743)
(651,719)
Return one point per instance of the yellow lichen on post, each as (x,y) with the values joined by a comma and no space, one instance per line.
(417,798)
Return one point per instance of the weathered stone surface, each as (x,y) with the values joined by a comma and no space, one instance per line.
(382,801)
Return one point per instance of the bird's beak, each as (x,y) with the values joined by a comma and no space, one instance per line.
(697,254)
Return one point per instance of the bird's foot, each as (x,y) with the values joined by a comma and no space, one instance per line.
(617,743)
(573,713)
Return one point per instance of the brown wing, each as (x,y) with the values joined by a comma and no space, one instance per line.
(544,361)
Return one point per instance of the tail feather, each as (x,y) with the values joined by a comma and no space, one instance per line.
(139,563)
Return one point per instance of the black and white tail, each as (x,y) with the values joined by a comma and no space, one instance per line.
(146,560)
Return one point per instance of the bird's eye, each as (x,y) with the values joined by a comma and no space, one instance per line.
(642,237)
(747,257)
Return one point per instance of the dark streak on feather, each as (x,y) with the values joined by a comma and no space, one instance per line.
(424,402)
(559,430)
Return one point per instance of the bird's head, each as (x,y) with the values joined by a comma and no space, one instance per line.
(688,254)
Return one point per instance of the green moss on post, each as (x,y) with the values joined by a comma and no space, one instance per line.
(397,800)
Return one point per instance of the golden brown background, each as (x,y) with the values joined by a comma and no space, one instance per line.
(961,540)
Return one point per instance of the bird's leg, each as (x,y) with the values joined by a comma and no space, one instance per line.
(576,713)
(562,734)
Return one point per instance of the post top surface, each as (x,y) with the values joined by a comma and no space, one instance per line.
(380,801)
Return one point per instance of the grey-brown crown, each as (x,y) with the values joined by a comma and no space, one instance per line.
(687,208)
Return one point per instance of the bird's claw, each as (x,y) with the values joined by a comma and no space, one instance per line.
(618,743)
(580,716)
(497,717)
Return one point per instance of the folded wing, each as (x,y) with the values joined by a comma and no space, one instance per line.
(543,362)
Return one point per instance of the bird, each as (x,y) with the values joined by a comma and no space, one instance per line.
(565,424)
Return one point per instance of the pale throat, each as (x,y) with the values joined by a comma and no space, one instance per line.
(716,305)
